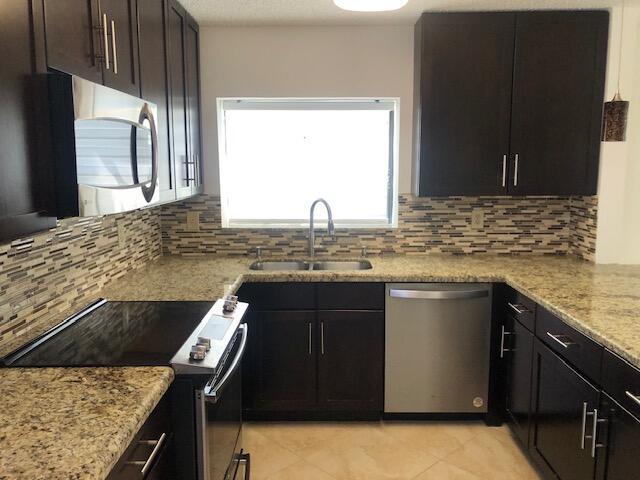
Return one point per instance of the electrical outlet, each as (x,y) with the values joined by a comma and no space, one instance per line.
(477,219)
(193,221)
(122,235)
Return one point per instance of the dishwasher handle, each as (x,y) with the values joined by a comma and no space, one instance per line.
(439,294)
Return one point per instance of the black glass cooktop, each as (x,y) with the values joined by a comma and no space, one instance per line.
(116,334)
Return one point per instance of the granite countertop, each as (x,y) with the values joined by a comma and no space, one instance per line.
(601,301)
(64,423)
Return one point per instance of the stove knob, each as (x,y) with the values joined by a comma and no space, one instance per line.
(198,352)
(205,342)
(230,303)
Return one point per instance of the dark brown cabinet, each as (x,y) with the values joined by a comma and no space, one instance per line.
(517,352)
(96,40)
(192,70)
(509,103)
(154,82)
(286,366)
(621,436)
(26,197)
(351,360)
(564,407)
(306,361)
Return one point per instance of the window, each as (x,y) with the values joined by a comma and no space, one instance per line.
(278,155)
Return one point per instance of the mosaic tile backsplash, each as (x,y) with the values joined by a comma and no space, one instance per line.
(512,225)
(46,274)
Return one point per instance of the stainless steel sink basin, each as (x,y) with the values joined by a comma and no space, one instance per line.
(280,266)
(342,265)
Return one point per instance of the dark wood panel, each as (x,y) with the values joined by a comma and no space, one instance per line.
(279,296)
(559,396)
(350,296)
(583,353)
(621,437)
(192,57)
(520,308)
(519,365)
(26,176)
(286,366)
(123,72)
(465,63)
(154,83)
(558,85)
(351,359)
(620,377)
(73,37)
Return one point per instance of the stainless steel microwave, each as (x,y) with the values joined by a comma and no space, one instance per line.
(106,148)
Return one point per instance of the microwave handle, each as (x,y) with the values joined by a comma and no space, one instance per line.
(148,192)
(213,394)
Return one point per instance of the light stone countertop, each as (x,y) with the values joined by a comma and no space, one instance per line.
(601,301)
(73,423)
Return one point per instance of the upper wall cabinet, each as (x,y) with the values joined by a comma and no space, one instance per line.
(94,39)
(26,195)
(509,103)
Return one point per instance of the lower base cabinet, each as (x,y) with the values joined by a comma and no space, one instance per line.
(621,436)
(563,405)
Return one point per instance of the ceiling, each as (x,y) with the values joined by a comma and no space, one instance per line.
(324,12)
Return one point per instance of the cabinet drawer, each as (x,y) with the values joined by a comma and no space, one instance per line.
(521,308)
(279,296)
(621,380)
(151,446)
(351,296)
(582,352)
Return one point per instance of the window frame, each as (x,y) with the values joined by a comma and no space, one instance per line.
(290,103)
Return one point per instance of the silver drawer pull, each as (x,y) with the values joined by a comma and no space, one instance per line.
(146,465)
(439,294)
(519,309)
(504,333)
(557,338)
(635,398)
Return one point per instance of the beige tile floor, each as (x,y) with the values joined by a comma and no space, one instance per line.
(384,451)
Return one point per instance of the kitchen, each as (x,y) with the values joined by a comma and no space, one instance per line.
(252,331)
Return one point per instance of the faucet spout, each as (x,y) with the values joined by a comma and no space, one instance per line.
(330,225)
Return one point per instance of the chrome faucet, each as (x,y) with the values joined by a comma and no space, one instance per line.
(330,227)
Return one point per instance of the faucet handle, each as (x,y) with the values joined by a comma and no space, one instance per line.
(259,253)
(364,251)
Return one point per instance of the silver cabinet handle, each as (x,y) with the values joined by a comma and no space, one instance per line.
(212,392)
(146,465)
(515,170)
(594,430)
(566,344)
(322,337)
(519,309)
(439,294)
(310,348)
(504,170)
(503,333)
(105,38)
(115,47)
(635,398)
(584,425)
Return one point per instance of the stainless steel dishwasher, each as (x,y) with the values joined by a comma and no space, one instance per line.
(437,342)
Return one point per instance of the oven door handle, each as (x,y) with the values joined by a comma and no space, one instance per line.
(212,394)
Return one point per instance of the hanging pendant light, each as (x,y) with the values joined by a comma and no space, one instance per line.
(370,5)
(614,125)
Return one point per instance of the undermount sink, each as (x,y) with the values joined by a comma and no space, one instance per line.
(275,265)
(343,265)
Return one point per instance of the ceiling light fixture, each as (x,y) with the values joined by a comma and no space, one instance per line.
(370,5)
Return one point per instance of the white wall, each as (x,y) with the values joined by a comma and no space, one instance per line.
(618,239)
(306,62)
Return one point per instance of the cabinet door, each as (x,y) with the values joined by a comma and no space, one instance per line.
(26,175)
(73,37)
(558,87)
(286,361)
(154,83)
(176,34)
(518,354)
(622,440)
(122,43)
(351,359)
(463,69)
(562,407)
(192,56)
